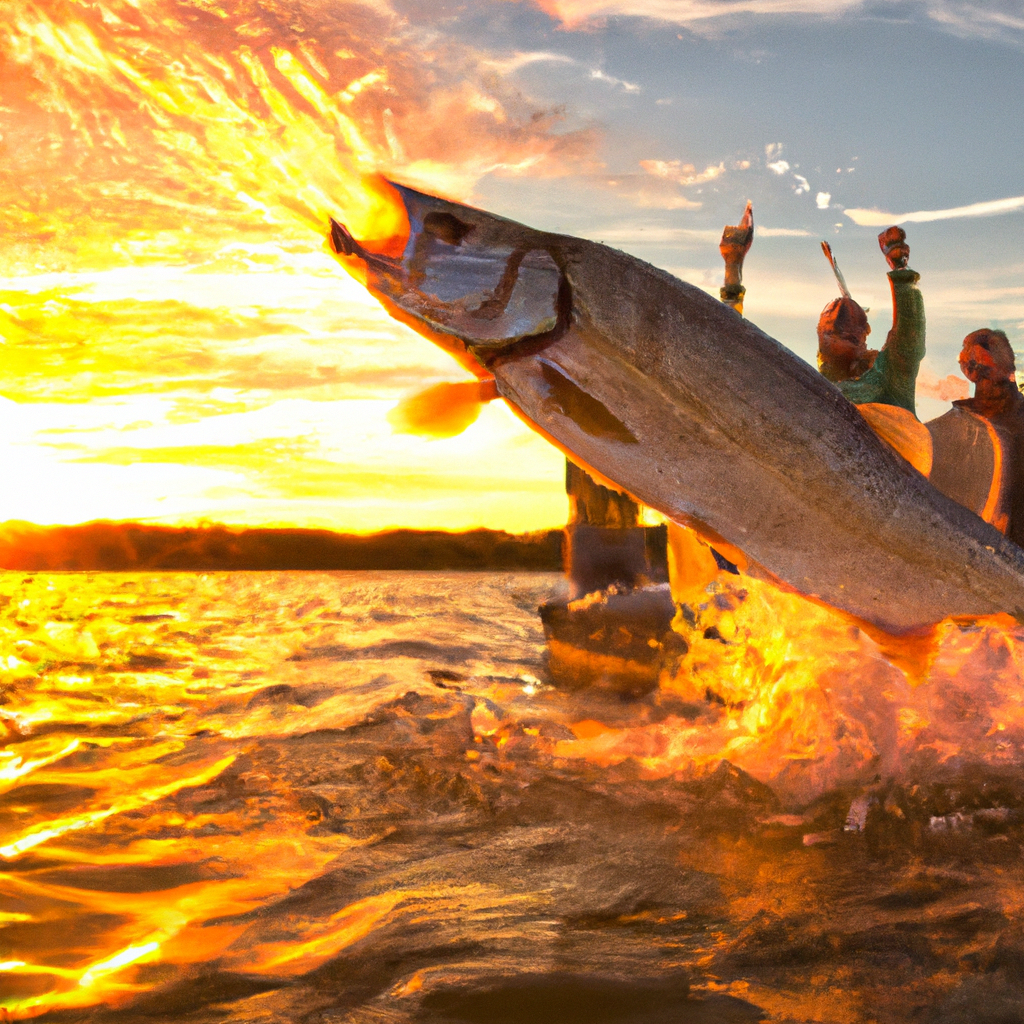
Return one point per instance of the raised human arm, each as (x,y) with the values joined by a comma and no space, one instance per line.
(892,379)
(905,345)
(735,244)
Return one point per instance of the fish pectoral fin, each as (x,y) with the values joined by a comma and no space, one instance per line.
(487,298)
(697,556)
(442,410)
(342,241)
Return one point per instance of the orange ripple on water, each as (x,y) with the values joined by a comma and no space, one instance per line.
(54,829)
(190,923)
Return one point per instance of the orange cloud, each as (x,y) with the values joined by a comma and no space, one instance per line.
(158,131)
(944,389)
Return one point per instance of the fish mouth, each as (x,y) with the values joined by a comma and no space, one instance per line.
(343,243)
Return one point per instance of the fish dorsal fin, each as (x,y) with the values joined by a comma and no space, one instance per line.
(442,410)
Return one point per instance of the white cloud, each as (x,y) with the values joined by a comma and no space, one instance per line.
(519,60)
(779,166)
(996,20)
(599,76)
(880,218)
(775,289)
(802,185)
(654,235)
(651,191)
(680,173)
(657,202)
(692,13)
(943,389)
(989,297)
(823,199)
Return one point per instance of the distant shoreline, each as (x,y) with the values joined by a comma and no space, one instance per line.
(136,547)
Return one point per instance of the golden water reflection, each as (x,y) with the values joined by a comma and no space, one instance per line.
(352,797)
(134,817)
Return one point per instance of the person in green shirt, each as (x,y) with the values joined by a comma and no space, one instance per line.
(888,377)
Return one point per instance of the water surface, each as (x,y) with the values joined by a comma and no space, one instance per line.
(353,797)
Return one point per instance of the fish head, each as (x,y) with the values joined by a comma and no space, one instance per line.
(472,282)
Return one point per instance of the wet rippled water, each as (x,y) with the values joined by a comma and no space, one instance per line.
(333,797)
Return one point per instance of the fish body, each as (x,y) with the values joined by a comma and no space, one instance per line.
(678,400)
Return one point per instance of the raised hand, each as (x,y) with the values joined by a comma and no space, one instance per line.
(733,247)
(893,243)
(736,240)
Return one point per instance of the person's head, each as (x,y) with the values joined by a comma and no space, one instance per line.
(987,355)
(843,330)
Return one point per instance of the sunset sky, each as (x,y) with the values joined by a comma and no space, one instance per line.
(178,346)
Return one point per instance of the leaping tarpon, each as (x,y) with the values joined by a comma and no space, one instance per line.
(650,383)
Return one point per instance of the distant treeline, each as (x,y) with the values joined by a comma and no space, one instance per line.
(115,547)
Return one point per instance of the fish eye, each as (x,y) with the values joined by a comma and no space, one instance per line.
(446,227)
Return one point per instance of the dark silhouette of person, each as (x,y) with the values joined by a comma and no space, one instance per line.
(888,377)
(593,504)
(605,544)
(987,360)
